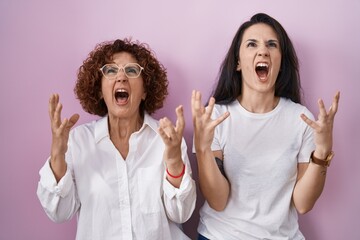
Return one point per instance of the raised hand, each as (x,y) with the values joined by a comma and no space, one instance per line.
(323,127)
(172,136)
(204,126)
(60,135)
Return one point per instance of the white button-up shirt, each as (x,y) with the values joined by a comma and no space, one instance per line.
(117,199)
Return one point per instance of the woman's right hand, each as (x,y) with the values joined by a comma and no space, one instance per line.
(60,135)
(204,126)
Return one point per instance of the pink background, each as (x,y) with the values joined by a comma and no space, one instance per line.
(43,43)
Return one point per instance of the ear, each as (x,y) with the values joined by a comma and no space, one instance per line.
(238,67)
(143,96)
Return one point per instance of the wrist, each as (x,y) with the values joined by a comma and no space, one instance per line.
(323,161)
(176,172)
(202,150)
(321,153)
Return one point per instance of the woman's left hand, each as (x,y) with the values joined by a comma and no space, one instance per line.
(172,137)
(323,127)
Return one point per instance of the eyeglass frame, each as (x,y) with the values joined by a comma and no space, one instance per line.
(121,68)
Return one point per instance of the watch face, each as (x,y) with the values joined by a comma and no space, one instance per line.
(327,163)
(330,156)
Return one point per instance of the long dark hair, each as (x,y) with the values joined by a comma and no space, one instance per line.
(287,85)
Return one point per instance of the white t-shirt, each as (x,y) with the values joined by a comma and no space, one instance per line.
(117,199)
(261,153)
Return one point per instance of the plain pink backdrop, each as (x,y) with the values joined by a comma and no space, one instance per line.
(44,42)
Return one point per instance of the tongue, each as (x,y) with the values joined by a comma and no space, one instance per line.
(121,100)
(262,74)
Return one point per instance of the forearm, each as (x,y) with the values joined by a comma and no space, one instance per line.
(214,186)
(176,171)
(309,188)
(175,164)
(58,165)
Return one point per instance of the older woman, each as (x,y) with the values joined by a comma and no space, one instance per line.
(126,175)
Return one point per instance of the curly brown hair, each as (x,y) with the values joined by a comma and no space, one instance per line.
(88,84)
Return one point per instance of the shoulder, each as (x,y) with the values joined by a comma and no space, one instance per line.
(90,128)
(222,108)
(294,108)
(151,122)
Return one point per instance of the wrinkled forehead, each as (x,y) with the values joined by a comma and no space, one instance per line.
(260,32)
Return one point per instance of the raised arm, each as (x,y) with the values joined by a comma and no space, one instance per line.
(311,176)
(60,136)
(180,188)
(172,137)
(214,186)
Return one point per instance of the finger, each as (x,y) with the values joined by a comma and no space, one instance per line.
(193,102)
(56,121)
(198,104)
(180,121)
(63,125)
(322,110)
(52,105)
(221,119)
(309,122)
(168,127)
(164,135)
(334,106)
(72,120)
(210,107)
(193,94)
(166,124)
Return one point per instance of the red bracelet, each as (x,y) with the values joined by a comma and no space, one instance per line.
(180,175)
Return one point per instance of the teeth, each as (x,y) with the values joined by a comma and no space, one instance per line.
(262,65)
(121,90)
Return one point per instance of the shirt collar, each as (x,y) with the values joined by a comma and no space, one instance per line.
(102,127)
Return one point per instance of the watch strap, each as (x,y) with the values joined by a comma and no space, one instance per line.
(322,162)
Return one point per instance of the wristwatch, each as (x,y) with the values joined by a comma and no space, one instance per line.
(322,162)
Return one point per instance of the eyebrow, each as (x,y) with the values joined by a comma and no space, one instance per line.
(269,41)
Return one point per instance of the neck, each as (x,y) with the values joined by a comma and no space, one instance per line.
(122,128)
(258,103)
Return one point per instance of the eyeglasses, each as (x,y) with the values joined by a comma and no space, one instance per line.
(131,70)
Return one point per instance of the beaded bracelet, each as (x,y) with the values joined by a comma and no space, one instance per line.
(180,175)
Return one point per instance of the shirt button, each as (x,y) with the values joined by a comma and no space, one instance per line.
(57,190)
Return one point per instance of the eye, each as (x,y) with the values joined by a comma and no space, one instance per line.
(272,44)
(110,70)
(251,44)
(132,70)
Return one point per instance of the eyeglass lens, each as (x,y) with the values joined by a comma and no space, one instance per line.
(131,70)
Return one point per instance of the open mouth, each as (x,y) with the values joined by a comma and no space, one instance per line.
(262,70)
(121,96)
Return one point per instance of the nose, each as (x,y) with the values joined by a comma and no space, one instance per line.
(263,54)
(263,51)
(121,76)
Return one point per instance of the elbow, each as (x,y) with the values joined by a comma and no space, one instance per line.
(56,218)
(217,206)
(304,209)
(218,203)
